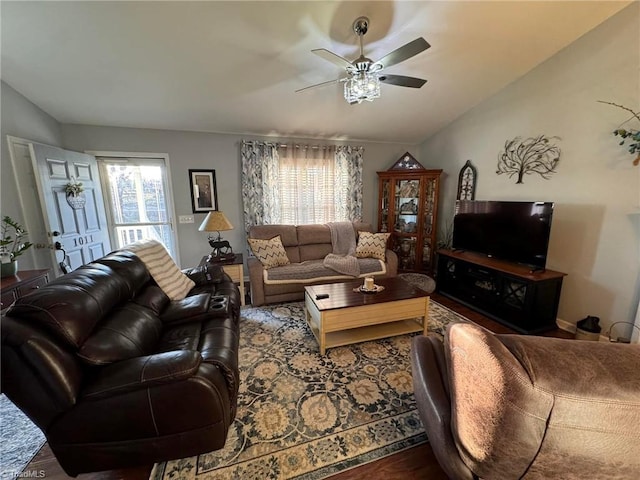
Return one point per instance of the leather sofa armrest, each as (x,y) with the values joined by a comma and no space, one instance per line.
(143,372)
(256,279)
(434,404)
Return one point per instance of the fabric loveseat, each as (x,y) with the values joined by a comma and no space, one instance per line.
(306,247)
(525,407)
(117,374)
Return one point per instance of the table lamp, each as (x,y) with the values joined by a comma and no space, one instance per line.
(215,221)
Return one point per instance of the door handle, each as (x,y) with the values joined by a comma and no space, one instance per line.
(55,233)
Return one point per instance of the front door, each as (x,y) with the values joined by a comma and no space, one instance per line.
(77,225)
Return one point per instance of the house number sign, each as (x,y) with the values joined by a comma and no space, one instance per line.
(83,240)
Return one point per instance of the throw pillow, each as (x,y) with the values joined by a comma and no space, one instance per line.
(271,253)
(372,245)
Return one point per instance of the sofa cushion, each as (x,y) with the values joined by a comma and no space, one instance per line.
(126,264)
(152,298)
(129,331)
(270,252)
(72,305)
(372,245)
(312,234)
(314,271)
(162,268)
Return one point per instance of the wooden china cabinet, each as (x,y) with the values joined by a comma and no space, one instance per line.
(408,208)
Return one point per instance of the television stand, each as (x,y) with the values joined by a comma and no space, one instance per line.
(523,299)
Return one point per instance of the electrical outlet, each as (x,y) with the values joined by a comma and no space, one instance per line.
(185,219)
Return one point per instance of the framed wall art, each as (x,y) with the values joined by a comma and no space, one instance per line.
(204,197)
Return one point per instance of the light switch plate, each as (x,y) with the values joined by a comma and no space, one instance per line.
(185,219)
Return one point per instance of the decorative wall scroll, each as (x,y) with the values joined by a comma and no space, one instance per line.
(533,155)
(467,182)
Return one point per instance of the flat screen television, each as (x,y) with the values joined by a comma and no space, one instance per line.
(513,231)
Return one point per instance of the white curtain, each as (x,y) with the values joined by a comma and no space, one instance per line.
(307,184)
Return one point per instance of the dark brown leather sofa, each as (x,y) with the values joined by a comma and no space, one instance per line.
(525,407)
(115,374)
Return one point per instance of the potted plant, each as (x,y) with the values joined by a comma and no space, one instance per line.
(629,133)
(12,245)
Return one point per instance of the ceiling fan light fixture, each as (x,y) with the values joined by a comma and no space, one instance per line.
(362,86)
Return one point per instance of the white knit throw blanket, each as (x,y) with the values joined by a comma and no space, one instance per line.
(162,268)
(343,241)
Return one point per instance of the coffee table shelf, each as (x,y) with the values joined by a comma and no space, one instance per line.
(348,317)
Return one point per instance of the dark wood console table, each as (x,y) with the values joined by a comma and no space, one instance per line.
(512,294)
(12,288)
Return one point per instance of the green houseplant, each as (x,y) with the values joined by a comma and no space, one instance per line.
(12,244)
(631,134)
(73,188)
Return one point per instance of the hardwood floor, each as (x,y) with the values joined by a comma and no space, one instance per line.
(416,462)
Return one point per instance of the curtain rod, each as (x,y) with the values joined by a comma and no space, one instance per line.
(284,145)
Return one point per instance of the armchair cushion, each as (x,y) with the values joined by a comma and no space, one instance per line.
(520,406)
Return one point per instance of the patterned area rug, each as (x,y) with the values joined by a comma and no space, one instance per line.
(304,416)
(20,439)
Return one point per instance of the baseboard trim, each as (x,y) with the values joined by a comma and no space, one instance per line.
(566,326)
(571,327)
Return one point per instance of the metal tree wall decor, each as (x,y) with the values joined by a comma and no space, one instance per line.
(532,155)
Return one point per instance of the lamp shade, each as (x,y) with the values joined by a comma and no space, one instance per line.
(215,221)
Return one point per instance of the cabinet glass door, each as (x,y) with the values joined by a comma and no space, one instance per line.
(384,206)
(428,223)
(406,203)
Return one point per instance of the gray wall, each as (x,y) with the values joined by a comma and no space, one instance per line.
(595,235)
(220,152)
(21,118)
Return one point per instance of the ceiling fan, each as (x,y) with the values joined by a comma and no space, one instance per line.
(364,75)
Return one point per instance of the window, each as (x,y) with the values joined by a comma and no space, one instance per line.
(138,201)
(300,184)
(307,185)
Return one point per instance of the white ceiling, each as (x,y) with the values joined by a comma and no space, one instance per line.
(233,67)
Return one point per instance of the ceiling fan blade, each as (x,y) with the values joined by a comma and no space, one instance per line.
(332,57)
(402,81)
(404,52)
(317,85)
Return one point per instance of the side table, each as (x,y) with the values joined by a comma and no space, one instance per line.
(233,268)
(19,285)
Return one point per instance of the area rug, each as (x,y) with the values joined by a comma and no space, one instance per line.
(20,440)
(306,416)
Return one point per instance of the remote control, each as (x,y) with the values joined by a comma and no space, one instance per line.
(320,296)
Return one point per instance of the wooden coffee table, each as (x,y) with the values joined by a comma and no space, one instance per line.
(347,317)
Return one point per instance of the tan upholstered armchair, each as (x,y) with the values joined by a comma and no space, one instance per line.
(516,406)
